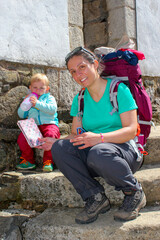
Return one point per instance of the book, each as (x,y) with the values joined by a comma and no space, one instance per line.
(31,132)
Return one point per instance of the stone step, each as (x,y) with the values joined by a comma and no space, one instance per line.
(153,147)
(38,191)
(59,224)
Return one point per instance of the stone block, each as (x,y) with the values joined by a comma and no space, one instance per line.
(87,1)
(37,70)
(3,155)
(76,37)
(130,19)
(149,83)
(64,115)
(9,104)
(9,155)
(112,4)
(75,12)
(23,69)
(6,88)
(9,135)
(52,75)
(68,88)
(11,222)
(153,148)
(95,34)
(121,21)
(25,80)
(8,76)
(92,11)
(9,192)
(64,128)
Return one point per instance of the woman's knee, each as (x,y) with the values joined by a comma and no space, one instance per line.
(94,157)
(62,149)
(57,147)
(97,153)
(103,158)
(57,151)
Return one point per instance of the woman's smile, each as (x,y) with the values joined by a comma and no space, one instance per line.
(82,80)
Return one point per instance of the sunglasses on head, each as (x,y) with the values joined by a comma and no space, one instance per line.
(76,50)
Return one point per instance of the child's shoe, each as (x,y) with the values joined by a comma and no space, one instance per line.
(24,164)
(48,166)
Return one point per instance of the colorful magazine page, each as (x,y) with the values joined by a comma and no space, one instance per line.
(31,132)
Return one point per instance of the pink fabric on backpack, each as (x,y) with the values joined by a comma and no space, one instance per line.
(121,68)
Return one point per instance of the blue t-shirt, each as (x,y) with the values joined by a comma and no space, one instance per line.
(96,115)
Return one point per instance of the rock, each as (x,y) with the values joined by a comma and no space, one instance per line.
(11,222)
(9,104)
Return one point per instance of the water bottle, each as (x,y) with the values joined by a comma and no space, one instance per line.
(26,104)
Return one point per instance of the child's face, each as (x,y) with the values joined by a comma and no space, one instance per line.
(39,87)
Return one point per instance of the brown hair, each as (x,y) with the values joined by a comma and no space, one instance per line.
(80,51)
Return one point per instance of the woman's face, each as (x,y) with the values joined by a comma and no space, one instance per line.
(83,72)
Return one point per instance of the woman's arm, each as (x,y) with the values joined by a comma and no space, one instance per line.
(126,133)
(128,130)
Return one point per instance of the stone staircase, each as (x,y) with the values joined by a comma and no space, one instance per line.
(37,205)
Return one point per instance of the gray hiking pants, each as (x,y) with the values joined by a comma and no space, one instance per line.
(116,163)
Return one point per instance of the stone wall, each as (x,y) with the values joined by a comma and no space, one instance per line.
(95,23)
(14,82)
(106,21)
(152,85)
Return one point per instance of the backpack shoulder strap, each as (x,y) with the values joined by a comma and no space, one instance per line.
(113,93)
(81,103)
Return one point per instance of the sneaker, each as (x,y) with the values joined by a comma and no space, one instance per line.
(24,164)
(48,166)
(95,205)
(131,206)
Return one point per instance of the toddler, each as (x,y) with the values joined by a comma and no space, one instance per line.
(44,112)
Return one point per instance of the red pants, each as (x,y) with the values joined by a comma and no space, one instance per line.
(47,130)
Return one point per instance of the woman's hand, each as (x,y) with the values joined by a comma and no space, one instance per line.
(87,139)
(46,143)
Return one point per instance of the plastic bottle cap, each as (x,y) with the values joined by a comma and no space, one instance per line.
(35,94)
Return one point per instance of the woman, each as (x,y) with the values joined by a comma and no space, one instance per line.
(105,148)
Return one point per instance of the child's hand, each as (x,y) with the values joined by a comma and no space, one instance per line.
(33,100)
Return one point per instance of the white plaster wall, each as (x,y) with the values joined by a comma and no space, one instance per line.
(148,35)
(34,31)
